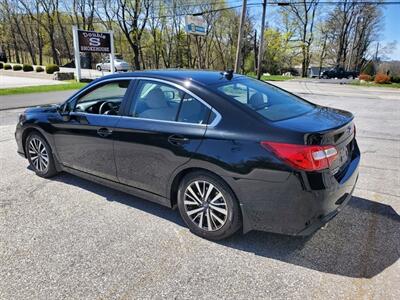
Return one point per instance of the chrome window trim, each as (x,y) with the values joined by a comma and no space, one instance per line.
(75,96)
(178,86)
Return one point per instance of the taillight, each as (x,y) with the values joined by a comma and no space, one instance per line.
(303,157)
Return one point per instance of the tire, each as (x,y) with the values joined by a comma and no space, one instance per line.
(34,142)
(98,68)
(325,76)
(206,217)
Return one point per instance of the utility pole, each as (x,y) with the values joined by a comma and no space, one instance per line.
(261,48)
(240,36)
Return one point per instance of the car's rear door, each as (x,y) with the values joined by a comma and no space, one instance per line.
(84,137)
(161,130)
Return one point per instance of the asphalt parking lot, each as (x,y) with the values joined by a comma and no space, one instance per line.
(70,238)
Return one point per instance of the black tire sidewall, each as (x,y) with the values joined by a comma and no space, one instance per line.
(233,221)
(51,170)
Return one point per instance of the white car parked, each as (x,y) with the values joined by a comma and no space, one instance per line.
(119,65)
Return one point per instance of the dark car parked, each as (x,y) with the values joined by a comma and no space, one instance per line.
(339,73)
(229,151)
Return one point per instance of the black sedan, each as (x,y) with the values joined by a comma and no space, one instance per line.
(229,151)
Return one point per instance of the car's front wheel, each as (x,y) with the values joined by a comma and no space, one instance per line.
(98,68)
(40,155)
(208,206)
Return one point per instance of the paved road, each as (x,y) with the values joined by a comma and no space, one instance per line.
(70,238)
(27,100)
(20,81)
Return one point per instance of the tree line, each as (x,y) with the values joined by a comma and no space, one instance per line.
(151,34)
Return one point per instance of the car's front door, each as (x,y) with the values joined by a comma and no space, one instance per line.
(161,130)
(84,136)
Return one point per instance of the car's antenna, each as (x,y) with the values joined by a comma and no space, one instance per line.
(228,74)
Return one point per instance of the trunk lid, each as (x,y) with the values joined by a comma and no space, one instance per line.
(326,126)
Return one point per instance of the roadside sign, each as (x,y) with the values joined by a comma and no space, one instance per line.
(91,41)
(195,25)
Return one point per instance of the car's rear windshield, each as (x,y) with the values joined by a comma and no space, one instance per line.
(272,103)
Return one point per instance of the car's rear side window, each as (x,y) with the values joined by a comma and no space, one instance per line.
(267,100)
(164,102)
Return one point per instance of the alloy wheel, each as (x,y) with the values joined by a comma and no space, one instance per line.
(38,155)
(205,205)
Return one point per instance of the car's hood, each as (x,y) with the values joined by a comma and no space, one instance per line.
(49,108)
(318,120)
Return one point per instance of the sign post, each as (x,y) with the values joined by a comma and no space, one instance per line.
(92,41)
(76,52)
(112,53)
(197,26)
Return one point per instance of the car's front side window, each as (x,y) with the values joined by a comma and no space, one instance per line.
(103,99)
(159,101)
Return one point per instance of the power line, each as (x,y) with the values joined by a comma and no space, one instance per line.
(293,3)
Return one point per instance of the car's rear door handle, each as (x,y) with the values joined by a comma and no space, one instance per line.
(177,140)
(104,132)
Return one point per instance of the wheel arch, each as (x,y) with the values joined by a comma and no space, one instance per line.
(26,133)
(174,186)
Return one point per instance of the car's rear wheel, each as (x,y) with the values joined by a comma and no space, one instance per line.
(40,155)
(208,206)
(98,68)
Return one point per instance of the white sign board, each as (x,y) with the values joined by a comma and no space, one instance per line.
(91,41)
(195,25)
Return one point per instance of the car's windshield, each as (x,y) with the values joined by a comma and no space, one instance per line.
(270,102)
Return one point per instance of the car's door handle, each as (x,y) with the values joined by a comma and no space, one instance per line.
(104,132)
(177,140)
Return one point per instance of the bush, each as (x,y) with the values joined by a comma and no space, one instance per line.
(7,67)
(382,78)
(17,67)
(369,68)
(1,65)
(27,68)
(50,69)
(395,79)
(365,77)
(39,69)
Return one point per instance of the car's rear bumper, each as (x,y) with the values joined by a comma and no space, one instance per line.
(292,207)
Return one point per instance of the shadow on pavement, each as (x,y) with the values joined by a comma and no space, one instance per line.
(361,242)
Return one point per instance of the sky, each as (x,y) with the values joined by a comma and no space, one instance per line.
(390,29)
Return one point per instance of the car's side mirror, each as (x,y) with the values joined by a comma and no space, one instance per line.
(64,112)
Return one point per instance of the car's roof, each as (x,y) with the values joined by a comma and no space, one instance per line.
(201,77)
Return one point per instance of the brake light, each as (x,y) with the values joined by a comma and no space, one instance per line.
(304,157)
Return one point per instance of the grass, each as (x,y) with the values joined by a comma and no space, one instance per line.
(71,85)
(372,84)
(276,78)
(271,77)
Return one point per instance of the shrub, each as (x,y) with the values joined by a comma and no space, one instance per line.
(382,78)
(50,69)
(7,67)
(17,67)
(365,77)
(395,79)
(39,69)
(27,68)
(369,68)
(1,65)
